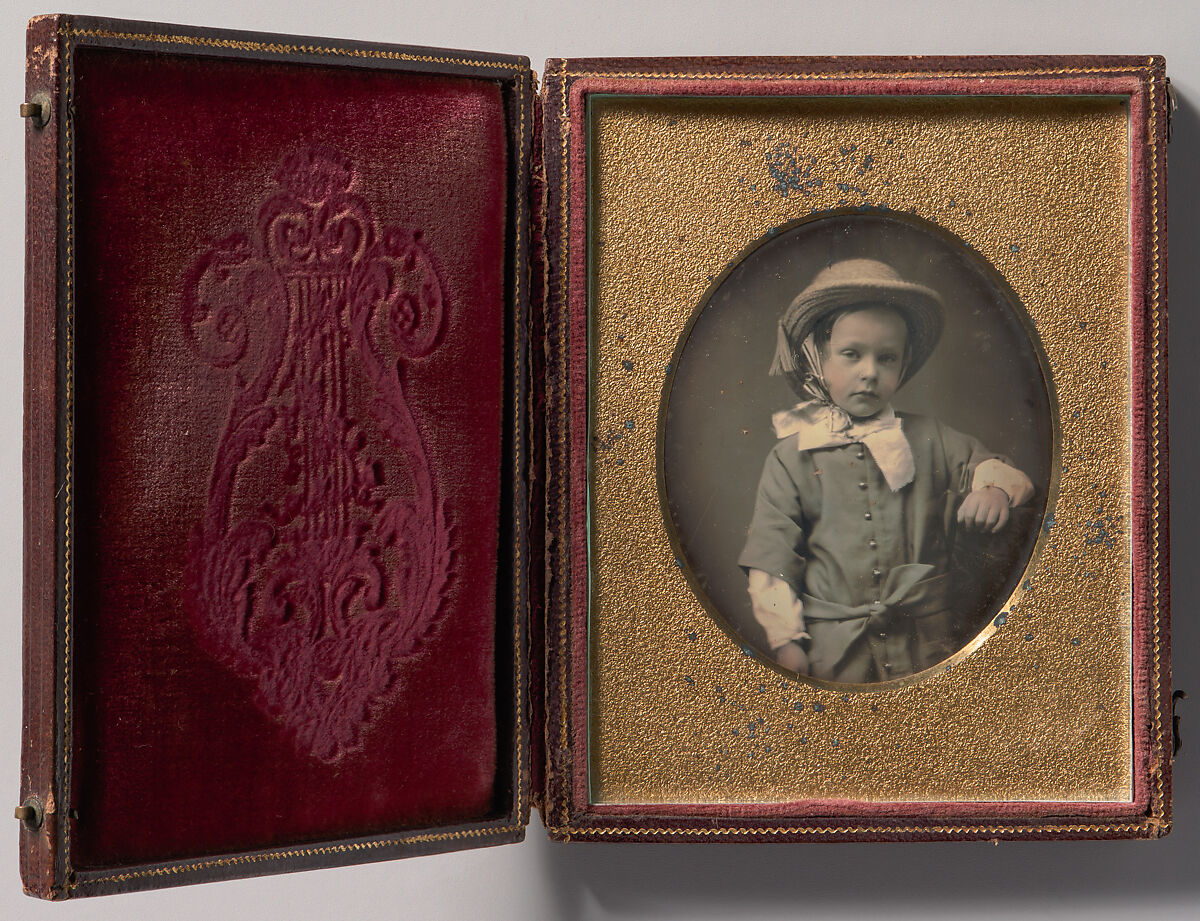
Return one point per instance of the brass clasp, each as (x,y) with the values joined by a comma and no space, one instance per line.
(30,813)
(37,110)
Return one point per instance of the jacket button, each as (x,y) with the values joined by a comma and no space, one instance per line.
(867,516)
(862,484)
(876,574)
(872,543)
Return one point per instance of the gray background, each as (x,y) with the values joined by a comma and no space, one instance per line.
(539,879)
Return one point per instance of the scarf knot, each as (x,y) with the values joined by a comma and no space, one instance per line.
(820,424)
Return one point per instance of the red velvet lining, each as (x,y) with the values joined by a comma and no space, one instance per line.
(181,747)
(1141,213)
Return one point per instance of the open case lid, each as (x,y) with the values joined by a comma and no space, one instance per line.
(275,454)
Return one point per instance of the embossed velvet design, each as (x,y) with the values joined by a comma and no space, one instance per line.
(323,590)
(290,394)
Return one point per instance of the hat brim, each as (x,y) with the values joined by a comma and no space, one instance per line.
(922,309)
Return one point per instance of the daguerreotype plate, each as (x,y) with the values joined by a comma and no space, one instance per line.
(829,521)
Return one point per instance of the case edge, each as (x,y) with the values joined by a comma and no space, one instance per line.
(537,471)
(42,866)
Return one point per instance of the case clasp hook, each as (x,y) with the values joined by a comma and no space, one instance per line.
(37,110)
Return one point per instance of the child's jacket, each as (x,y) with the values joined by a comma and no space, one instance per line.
(870,565)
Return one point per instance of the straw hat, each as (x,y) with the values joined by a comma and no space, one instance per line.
(860,282)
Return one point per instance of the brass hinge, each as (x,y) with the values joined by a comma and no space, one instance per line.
(1172,105)
(1176,741)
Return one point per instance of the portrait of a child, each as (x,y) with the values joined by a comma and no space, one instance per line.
(859,506)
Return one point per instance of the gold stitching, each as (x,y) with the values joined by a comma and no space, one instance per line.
(851,74)
(564,448)
(64,807)
(284,49)
(846,830)
(1158,807)
(178,869)
(518,435)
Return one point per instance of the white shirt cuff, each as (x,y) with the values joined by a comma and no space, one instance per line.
(996,473)
(776,608)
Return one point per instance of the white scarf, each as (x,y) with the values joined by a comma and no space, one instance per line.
(817,424)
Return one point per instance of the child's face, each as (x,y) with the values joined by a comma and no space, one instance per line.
(864,360)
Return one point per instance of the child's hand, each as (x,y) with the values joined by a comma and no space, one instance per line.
(793,657)
(985,508)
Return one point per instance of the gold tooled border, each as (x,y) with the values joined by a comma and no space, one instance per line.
(521,77)
(851,831)
(1159,809)
(264,856)
(1158,822)
(226,44)
(564,391)
(68,121)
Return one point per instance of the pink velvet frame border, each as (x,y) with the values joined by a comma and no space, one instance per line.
(1147,218)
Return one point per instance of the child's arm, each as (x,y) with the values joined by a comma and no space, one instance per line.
(995,488)
(781,615)
(774,556)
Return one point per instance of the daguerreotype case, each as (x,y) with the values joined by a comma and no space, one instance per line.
(703,450)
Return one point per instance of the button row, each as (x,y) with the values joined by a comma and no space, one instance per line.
(872,543)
